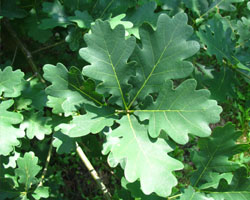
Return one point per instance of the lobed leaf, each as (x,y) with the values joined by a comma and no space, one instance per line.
(10,82)
(162,54)
(143,158)
(68,90)
(108,52)
(27,170)
(8,133)
(215,152)
(181,111)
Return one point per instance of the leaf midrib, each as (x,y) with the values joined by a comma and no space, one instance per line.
(154,67)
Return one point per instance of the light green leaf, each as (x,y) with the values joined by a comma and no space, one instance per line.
(114,21)
(41,192)
(8,133)
(82,19)
(162,54)
(36,125)
(108,53)
(144,159)
(12,160)
(93,121)
(181,111)
(215,152)
(68,90)
(190,194)
(27,170)
(10,82)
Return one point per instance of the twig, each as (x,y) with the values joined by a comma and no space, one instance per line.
(46,164)
(23,48)
(93,172)
(174,197)
(48,47)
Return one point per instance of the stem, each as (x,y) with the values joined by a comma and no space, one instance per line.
(48,47)
(23,48)
(93,172)
(46,164)
(174,197)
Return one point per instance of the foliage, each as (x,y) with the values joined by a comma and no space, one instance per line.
(163,86)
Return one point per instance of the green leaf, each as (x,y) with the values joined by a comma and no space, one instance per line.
(105,8)
(10,82)
(162,54)
(36,125)
(41,192)
(8,133)
(82,19)
(143,14)
(221,86)
(68,90)
(108,53)
(190,194)
(56,14)
(243,27)
(33,96)
(213,179)
(143,158)
(238,189)
(94,121)
(181,111)
(197,6)
(215,152)
(31,24)
(74,38)
(10,9)
(27,170)
(136,192)
(63,143)
(12,160)
(218,40)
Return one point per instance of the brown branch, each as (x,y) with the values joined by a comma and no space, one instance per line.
(23,48)
(93,172)
(46,164)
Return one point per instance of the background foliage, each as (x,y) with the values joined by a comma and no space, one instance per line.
(162,86)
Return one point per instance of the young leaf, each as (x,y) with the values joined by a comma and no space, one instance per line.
(190,194)
(8,133)
(162,54)
(215,152)
(27,170)
(36,125)
(181,111)
(68,90)
(145,159)
(10,82)
(108,52)
(94,121)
